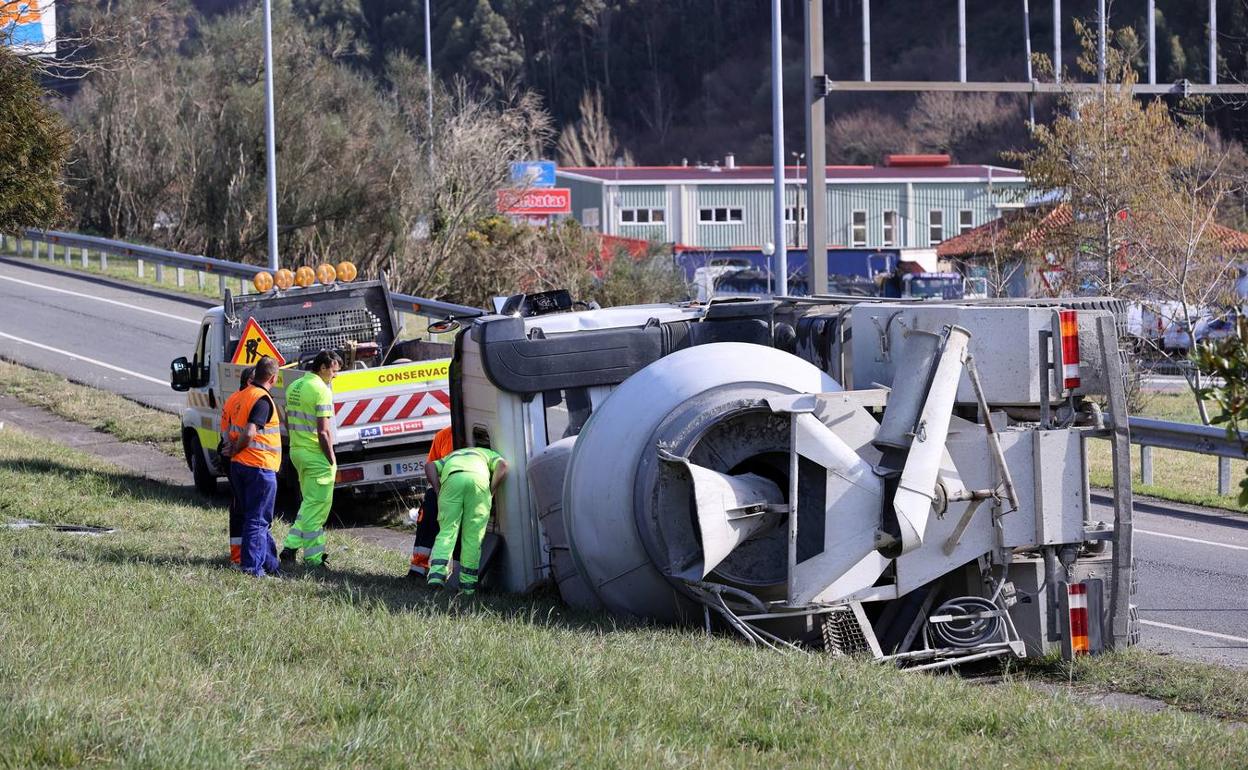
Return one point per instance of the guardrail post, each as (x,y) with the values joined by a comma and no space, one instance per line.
(139,262)
(199,276)
(1146,465)
(221,285)
(86,255)
(242,286)
(160,273)
(103,260)
(69,256)
(181,278)
(1224,476)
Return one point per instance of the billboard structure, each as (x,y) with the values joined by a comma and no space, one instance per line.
(28,26)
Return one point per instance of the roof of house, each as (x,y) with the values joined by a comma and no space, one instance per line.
(641,175)
(987,237)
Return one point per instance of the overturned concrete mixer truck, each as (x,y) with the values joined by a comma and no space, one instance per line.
(906,480)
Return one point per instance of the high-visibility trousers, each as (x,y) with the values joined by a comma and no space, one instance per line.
(463,504)
(256,489)
(316,483)
(426,536)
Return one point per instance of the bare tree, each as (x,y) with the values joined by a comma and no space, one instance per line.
(591,141)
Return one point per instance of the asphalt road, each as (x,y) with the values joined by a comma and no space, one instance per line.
(95,331)
(1192,573)
(1192,563)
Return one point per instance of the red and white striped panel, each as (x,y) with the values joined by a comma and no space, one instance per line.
(368,411)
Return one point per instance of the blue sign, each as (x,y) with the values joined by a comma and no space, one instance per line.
(370,432)
(533,173)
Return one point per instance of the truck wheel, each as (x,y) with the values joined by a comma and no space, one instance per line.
(205,477)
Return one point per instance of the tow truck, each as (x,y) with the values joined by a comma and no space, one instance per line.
(902,480)
(389,400)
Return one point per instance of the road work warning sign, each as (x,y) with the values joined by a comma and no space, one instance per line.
(254,345)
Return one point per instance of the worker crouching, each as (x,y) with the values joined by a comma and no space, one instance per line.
(465,482)
(255,452)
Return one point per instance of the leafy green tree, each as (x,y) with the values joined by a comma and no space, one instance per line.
(34,144)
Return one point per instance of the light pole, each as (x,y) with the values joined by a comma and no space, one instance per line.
(270,148)
(429,80)
(798,157)
(777,152)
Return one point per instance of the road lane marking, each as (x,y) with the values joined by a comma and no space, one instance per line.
(126,372)
(100,299)
(1197,631)
(1193,540)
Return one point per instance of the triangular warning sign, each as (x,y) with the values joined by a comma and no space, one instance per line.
(254,345)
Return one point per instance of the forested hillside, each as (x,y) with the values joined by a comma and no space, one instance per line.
(689,78)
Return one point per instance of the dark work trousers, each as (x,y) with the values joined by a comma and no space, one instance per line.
(236,518)
(256,489)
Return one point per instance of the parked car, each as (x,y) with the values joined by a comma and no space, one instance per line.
(1178,336)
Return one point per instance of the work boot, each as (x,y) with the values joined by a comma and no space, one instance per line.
(322,564)
(287,556)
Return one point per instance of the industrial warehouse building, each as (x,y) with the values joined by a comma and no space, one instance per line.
(911,202)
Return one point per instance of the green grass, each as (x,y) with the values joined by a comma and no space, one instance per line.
(100,410)
(1178,476)
(139,649)
(1218,691)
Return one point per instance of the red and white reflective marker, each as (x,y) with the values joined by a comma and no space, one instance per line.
(1070,348)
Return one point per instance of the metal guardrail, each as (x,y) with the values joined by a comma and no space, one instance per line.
(203,267)
(1184,437)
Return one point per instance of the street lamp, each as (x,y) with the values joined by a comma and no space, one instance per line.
(429,81)
(769,248)
(270,149)
(777,152)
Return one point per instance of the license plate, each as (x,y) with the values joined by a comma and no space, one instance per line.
(408,469)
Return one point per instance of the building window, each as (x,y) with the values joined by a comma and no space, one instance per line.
(641,216)
(890,229)
(720,216)
(966,221)
(858,229)
(792,212)
(935,227)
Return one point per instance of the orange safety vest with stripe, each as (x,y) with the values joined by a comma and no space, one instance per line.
(265,449)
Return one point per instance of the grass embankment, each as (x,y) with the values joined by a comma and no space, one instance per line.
(140,649)
(1219,691)
(100,410)
(1179,476)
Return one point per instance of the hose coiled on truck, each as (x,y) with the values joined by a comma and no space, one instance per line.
(967,632)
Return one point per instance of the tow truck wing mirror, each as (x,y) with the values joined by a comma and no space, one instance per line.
(180,375)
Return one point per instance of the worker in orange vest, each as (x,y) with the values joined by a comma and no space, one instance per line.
(255,451)
(236,511)
(427,521)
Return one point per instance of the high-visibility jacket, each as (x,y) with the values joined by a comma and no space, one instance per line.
(473,459)
(265,449)
(307,400)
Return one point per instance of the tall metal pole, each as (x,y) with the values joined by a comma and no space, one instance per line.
(270,144)
(1031,106)
(1152,42)
(1213,42)
(1057,41)
(777,154)
(866,40)
(1100,41)
(962,41)
(429,80)
(816,153)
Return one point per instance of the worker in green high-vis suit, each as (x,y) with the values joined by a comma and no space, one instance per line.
(465,482)
(310,426)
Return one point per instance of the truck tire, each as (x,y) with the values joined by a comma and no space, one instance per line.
(204,475)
